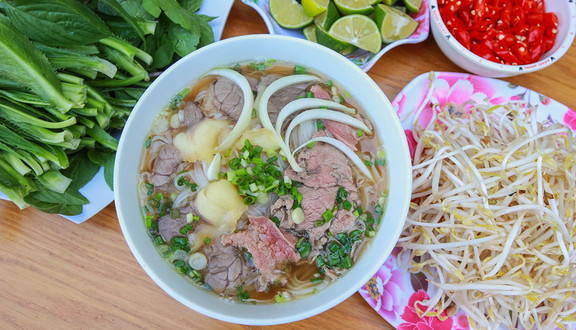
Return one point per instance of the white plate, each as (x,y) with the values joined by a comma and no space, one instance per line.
(97,191)
(364,59)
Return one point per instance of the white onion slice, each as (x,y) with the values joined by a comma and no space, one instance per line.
(246,113)
(212,172)
(342,147)
(262,108)
(325,114)
(308,103)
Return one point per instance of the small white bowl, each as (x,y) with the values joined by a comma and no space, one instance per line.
(566,12)
(227,53)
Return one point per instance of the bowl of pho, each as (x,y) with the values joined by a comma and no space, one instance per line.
(262,180)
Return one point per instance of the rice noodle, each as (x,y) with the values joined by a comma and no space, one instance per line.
(492,219)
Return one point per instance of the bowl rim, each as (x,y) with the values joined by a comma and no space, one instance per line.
(505,68)
(125,212)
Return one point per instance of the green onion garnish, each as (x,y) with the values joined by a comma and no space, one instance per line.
(298,69)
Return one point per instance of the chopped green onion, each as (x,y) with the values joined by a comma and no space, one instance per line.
(311,145)
(316,280)
(367,162)
(346,262)
(329,83)
(319,223)
(327,215)
(360,132)
(320,124)
(153,203)
(249,200)
(378,209)
(380,162)
(298,69)
(279,298)
(158,240)
(174,213)
(320,262)
(148,142)
(186,229)
(207,240)
(347,205)
(242,294)
(310,95)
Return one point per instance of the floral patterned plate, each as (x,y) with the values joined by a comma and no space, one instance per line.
(393,291)
(364,59)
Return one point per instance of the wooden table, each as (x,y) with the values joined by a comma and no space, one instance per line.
(59,275)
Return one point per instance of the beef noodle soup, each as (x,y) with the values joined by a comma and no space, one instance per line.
(262,182)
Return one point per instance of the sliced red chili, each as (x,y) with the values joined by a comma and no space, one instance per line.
(503,31)
(520,51)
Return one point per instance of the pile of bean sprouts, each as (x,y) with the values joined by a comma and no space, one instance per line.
(492,217)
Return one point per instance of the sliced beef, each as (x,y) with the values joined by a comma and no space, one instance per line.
(270,249)
(224,96)
(169,227)
(282,209)
(192,114)
(253,83)
(266,80)
(317,240)
(315,201)
(343,133)
(283,97)
(165,164)
(324,166)
(343,222)
(320,92)
(226,269)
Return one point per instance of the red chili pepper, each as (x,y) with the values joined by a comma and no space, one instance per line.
(535,34)
(537,51)
(505,19)
(520,51)
(506,55)
(483,51)
(463,37)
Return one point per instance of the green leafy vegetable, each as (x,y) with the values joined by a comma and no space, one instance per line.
(70,73)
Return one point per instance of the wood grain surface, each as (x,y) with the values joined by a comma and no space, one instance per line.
(55,274)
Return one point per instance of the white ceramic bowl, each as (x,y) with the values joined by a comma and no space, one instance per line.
(566,12)
(227,53)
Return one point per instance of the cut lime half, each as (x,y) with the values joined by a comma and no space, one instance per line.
(289,14)
(413,6)
(327,18)
(394,25)
(314,7)
(310,32)
(325,39)
(350,7)
(358,30)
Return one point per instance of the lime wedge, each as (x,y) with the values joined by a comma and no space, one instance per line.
(289,14)
(327,18)
(394,25)
(325,39)
(315,7)
(349,7)
(359,31)
(310,32)
(413,5)
(388,2)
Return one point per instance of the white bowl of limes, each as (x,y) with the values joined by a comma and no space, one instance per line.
(361,30)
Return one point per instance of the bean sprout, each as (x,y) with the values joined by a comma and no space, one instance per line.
(492,217)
